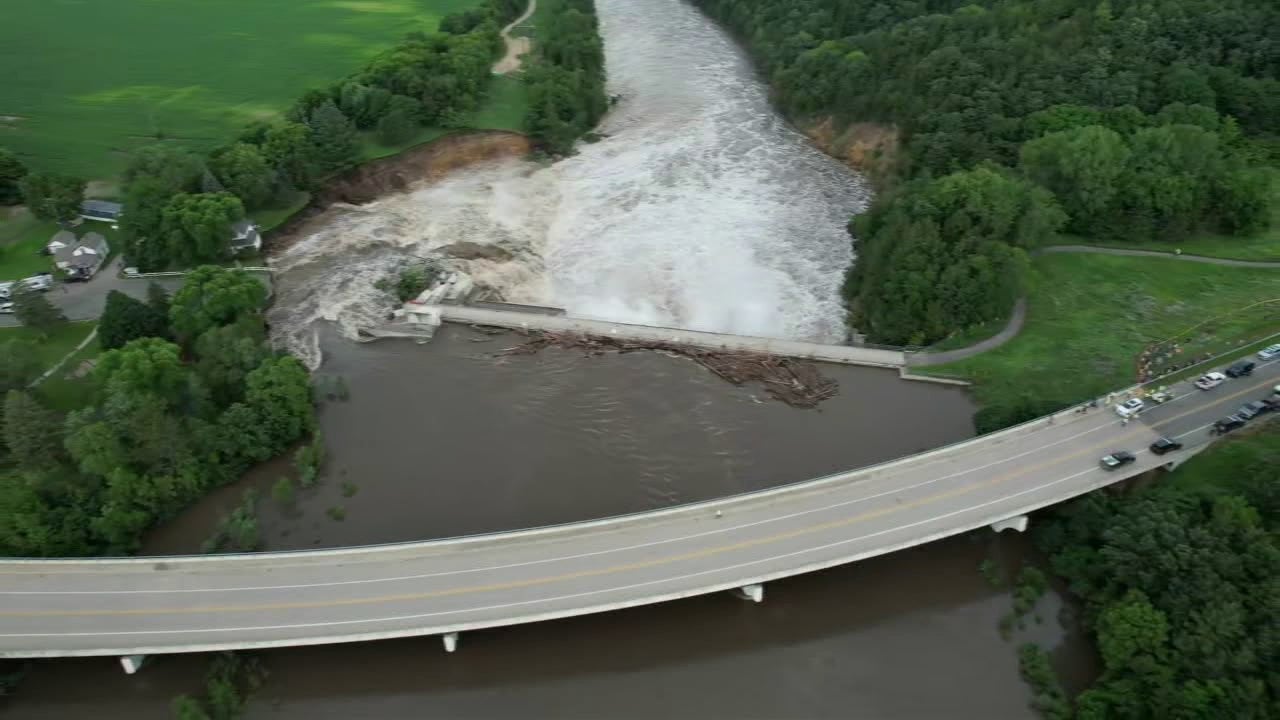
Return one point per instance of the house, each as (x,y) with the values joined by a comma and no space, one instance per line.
(82,258)
(62,239)
(101,210)
(245,237)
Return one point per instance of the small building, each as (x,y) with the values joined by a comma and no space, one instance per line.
(245,237)
(83,258)
(61,239)
(101,210)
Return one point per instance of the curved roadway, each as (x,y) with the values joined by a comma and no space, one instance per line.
(162,605)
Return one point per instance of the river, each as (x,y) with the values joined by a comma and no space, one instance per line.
(700,208)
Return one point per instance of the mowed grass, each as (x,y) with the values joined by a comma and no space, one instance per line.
(21,238)
(1089,316)
(49,350)
(87,82)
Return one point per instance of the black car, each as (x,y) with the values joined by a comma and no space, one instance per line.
(1229,423)
(1252,410)
(1164,445)
(1242,368)
(1119,458)
(1272,403)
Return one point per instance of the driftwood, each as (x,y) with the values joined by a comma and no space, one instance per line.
(797,383)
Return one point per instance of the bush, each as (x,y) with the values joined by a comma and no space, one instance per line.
(1050,699)
(283,492)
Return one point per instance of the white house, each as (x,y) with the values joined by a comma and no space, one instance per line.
(245,237)
(82,258)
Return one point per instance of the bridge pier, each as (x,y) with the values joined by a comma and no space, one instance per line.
(132,663)
(450,641)
(1017,522)
(753,592)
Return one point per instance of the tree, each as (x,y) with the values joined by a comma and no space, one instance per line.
(396,127)
(1081,167)
(291,151)
(35,311)
(244,172)
(143,366)
(227,354)
(125,319)
(19,364)
(176,169)
(53,197)
(197,228)
(32,432)
(213,296)
(334,137)
(279,392)
(11,173)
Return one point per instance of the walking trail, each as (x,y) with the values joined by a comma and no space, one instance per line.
(1019,315)
(517,47)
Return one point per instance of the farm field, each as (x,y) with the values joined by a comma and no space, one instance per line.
(85,83)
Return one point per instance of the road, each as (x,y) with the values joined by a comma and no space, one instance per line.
(159,605)
(86,300)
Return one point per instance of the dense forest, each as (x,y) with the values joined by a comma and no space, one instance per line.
(1181,585)
(186,397)
(1021,119)
(566,78)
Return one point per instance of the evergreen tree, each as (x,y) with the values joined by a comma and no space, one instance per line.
(125,319)
(334,137)
(35,311)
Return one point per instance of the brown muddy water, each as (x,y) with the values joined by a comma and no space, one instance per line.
(445,439)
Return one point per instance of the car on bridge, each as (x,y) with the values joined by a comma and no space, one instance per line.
(1160,397)
(1209,381)
(1269,352)
(1229,423)
(1129,407)
(1119,458)
(1164,445)
(1252,410)
(1241,368)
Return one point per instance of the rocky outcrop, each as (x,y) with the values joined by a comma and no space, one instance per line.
(474,251)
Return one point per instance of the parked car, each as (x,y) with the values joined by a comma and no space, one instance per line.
(1119,458)
(1164,445)
(1129,407)
(1229,423)
(1209,381)
(1241,368)
(1252,410)
(41,282)
(1269,352)
(1160,397)
(6,291)
(6,308)
(1272,403)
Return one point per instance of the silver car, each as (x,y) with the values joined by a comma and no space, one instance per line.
(1267,353)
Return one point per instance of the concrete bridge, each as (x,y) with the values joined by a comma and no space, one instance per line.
(132,607)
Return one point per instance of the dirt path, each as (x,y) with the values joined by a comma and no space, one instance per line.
(1019,316)
(517,47)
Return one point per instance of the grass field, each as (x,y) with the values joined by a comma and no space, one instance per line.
(1089,316)
(65,392)
(1263,245)
(51,349)
(86,82)
(21,238)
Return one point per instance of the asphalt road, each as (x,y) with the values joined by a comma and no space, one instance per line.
(86,300)
(158,605)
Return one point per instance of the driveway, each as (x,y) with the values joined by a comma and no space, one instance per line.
(86,300)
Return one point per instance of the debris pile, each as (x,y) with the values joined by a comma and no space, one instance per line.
(797,383)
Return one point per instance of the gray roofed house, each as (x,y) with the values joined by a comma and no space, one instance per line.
(245,237)
(61,239)
(101,210)
(81,259)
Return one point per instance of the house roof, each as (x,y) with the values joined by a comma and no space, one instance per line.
(66,237)
(244,234)
(86,252)
(96,242)
(242,227)
(101,207)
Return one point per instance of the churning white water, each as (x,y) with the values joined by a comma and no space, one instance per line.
(700,208)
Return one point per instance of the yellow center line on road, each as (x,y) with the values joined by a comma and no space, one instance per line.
(628,567)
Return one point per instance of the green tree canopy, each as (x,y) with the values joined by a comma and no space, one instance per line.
(50,196)
(11,173)
(197,228)
(333,136)
(245,173)
(125,319)
(34,310)
(213,296)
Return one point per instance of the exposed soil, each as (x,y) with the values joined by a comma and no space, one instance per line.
(398,173)
(475,251)
(869,148)
(797,383)
(517,47)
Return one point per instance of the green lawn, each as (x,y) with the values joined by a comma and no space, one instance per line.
(1090,315)
(86,82)
(1228,460)
(271,218)
(50,350)
(64,392)
(21,238)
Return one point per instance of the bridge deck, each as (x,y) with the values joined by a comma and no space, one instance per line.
(159,605)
